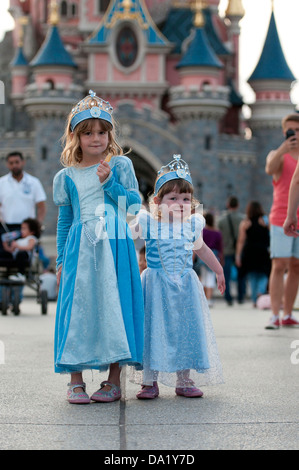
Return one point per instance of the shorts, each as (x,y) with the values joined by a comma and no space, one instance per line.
(207,277)
(281,245)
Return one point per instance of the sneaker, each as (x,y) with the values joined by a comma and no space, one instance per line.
(290,321)
(273,324)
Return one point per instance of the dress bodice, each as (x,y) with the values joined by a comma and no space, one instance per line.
(169,246)
(90,193)
(80,188)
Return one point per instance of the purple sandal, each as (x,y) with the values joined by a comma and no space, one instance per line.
(189,392)
(107,396)
(147,392)
(77,398)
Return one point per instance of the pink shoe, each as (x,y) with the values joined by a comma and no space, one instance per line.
(290,321)
(77,398)
(189,392)
(147,392)
(113,394)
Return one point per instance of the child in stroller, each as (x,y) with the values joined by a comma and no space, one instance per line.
(17,253)
(20,250)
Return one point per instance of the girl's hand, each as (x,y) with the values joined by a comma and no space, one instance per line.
(103,170)
(220,283)
(58,275)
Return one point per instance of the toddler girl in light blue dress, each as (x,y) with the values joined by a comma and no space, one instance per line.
(179,348)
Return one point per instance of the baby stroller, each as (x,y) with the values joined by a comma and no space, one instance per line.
(12,283)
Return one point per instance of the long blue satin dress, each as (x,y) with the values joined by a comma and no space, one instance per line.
(180,343)
(100,313)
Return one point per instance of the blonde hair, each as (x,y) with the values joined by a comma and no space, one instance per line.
(179,185)
(72,152)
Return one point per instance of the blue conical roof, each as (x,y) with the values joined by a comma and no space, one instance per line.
(272,64)
(19,58)
(200,53)
(53,51)
(212,34)
(138,12)
(179,23)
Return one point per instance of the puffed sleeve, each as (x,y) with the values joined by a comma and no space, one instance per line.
(197,223)
(124,185)
(60,190)
(65,214)
(143,220)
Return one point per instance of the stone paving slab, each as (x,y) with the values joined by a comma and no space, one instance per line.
(256,408)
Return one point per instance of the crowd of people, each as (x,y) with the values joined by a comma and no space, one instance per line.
(260,251)
(150,313)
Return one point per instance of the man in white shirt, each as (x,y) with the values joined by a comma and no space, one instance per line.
(21,194)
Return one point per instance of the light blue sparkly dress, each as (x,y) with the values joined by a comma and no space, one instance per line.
(100,313)
(179,339)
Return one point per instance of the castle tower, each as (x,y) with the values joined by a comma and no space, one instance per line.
(235,13)
(126,56)
(271,80)
(19,70)
(200,77)
(52,92)
(198,103)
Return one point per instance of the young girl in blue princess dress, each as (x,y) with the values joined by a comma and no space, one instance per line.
(99,321)
(180,348)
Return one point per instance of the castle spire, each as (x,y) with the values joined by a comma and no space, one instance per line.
(54,13)
(199,52)
(271,81)
(53,51)
(199,20)
(235,8)
(272,63)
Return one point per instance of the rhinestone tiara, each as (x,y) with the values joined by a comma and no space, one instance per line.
(91,107)
(174,170)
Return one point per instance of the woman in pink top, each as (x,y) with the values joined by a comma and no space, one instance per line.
(281,164)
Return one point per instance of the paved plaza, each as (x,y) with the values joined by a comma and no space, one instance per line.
(256,408)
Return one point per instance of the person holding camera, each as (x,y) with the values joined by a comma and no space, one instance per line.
(281,164)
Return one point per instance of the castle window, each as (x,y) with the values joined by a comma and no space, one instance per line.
(126,46)
(44,153)
(51,84)
(103,5)
(208,142)
(63,8)
(74,9)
